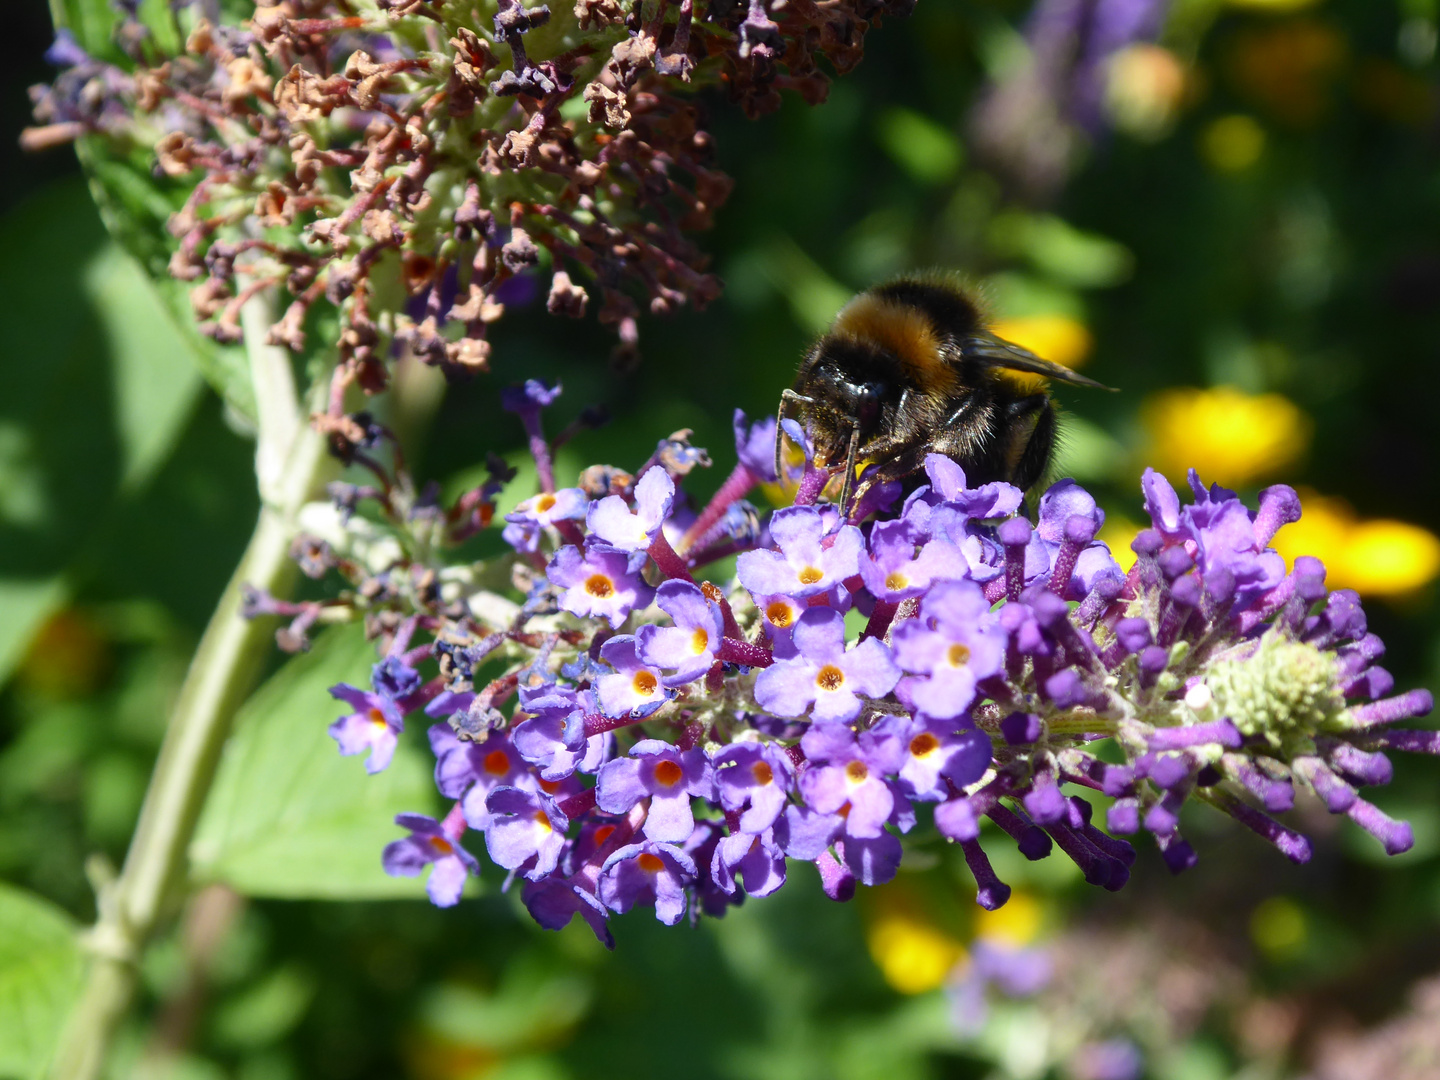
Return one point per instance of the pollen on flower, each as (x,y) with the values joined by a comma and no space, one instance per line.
(440,844)
(856,772)
(924,744)
(895,581)
(599,586)
(830,677)
(651,864)
(1286,689)
(376,717)
(644,682)
(699,641)
(543,820)
(779,613)
(957,655)
(810,575)
(544,503)
(762,773)
(497,763)
(668,774)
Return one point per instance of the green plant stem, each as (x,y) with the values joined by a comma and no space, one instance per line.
(291,461)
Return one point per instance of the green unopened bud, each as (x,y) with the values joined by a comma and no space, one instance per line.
(1284,690)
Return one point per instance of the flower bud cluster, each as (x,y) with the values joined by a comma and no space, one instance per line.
(629,734)
(400,163)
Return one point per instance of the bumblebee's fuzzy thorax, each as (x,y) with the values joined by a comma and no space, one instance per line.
(908,369)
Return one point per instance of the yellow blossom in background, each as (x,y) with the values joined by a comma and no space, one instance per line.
(913,955)
(1016,924)
(1144,87)
(1057,338)
(1233,438)
(1118,532)
(1377,557)
(1232,143)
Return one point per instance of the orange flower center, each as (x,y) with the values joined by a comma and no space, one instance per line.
(923,744)
(603,833)
(599,586)
(668,773)
(644,683)
(543,821)
(651,864)
(810,575)
(856,772)
(545,502)
(780,614)
(440,844)
(699,641)
(957,654)
(829,677)
(761,772)
(376,717)
(895,581)
(497,763)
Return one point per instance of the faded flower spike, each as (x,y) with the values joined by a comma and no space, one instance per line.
(398,173)
(632,745)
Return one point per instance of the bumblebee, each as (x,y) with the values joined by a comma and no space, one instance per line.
(909,369)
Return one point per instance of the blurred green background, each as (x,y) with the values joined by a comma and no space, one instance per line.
(1248,248)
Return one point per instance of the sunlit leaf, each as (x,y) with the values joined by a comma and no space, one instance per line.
(40,966)
(288,816)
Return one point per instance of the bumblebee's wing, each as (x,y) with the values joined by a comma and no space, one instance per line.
(986,348)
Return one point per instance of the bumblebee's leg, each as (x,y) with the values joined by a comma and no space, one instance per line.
(849,480)
(786,397)
(1029,439)
(907,462)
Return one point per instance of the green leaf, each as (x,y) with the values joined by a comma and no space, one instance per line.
(26,604)
(40,967)
(928,152)
(152,369)
(288,816)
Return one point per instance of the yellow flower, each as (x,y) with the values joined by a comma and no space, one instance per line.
(1232,143)
(1118,532)
(1233,438)
(1017,923)
(912,955)
(1378,557)
(1057,338)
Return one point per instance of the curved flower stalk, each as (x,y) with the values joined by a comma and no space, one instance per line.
(623,744)
(410,166)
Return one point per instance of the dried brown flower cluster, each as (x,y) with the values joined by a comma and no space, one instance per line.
(399,162)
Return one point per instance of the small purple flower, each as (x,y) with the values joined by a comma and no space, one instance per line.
(648,873)
(954,643)
(689,646)
(780,614)
(614,523)
(667,776)
(539,512)
(804,566)
(822,678)
(847,776)
(528,400)
(755,446)
(937,751)
(603,583)
(634,688)
(436,844)
(525,828)
(756,858)
(378,719)
(753,780)
(555,900)
(894,571)
(469,771)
